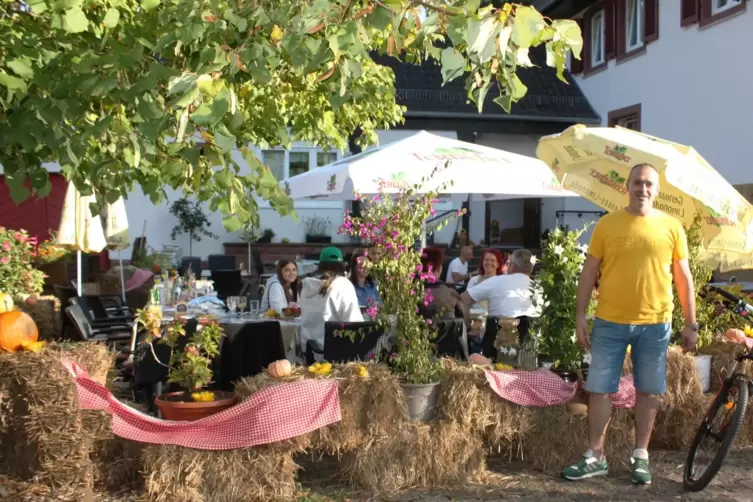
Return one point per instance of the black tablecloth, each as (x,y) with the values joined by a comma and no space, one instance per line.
(245,351)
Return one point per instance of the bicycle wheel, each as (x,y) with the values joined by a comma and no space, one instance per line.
(729,406)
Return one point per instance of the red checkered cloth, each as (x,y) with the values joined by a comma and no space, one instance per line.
(273,414)
(544,388)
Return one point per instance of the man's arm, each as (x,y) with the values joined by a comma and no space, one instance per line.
(586,285)
(685,289)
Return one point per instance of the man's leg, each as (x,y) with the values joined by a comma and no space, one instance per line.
(609,343)
(599,415)
(650,376)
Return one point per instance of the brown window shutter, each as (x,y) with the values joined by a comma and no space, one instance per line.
(620,31)
(705,10)
(576,65)
(609,34)
(585,54)
(690,12)
(650,21)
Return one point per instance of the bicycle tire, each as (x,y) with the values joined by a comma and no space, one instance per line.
(730,434)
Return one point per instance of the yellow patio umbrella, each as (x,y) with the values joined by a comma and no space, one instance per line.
(595,163)
(79,230)
(116,234)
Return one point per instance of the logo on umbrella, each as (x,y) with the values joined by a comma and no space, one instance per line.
(396,181)
(332,183)
(457,153)
(617,152)
(717,219)
(612,179)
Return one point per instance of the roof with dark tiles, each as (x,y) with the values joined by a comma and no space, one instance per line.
(419,88)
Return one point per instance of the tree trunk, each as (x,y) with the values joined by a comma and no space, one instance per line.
(190,244)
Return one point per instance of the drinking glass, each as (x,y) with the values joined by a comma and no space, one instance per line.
(232,303)
(242,302)
(254,308)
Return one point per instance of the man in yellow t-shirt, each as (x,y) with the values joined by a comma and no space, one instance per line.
(637,251)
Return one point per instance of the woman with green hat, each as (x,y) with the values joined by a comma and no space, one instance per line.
(329,296)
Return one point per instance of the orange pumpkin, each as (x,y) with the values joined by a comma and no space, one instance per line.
(16,328)
(279,369)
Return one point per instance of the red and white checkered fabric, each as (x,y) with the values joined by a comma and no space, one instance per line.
(544,388)
(273,414)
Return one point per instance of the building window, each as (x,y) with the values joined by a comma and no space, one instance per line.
(634,25)
(628,117)
(597,39)
(719,6)
(288,163)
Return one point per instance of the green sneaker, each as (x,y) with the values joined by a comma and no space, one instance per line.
(587,467)
(640,470)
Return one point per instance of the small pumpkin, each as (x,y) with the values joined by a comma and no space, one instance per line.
(279,369)
(478,360)
(17,328)
(735,335)
(6,303)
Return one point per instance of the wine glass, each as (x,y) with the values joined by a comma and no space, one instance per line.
(242,302)
(232,303)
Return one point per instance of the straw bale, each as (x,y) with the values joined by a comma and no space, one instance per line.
(48,316)
(368,406)
(245,475)
(467,400)
(682,405)
(722,358)
(43,436)
(441,454)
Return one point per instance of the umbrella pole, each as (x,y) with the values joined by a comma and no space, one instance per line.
(78,272)
(248,263)
(122,276)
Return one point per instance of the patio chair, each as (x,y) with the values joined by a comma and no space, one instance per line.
(227,283)
(193,262)
(97,315)
(221,262)
(339,348)
(118,337)
(262,276)
(451,340)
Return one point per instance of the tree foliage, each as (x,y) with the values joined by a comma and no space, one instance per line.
(159,93)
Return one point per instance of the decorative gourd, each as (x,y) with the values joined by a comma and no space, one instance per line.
(478,360)
(735,335)
(16,328)
(279,369)
(6,303)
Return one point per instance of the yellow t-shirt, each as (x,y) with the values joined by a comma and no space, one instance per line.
(636,254)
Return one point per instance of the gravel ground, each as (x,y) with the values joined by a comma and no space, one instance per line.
(507,482)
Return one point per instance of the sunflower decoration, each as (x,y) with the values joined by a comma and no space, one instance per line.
(35,347)
(202,397)
(362,372)
(748,330)
(502,367)
(321,369)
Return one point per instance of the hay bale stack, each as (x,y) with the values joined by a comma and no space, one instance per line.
(369,406)
(556,437)
(245,475)
(43,434)
(683,406)
(442,454)
(48,316)
(722,358)
(468,401)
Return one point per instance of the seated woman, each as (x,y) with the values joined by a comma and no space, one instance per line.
(283,288)
(493,262)
(366,289)
(445,301)
(329,296)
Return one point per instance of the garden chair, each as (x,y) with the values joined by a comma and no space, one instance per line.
(115,336)
(452,339)
(338,348)
(227,283)
(221,262)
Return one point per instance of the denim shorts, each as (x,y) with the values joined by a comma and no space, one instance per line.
(648,348)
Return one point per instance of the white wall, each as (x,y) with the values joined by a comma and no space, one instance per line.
(693,85)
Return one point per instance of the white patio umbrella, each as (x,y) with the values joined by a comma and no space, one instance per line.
(487,172)
(116,234)
(79,230)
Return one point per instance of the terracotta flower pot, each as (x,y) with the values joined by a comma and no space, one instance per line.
(176,406)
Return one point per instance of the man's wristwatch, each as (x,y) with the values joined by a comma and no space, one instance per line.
(694,326)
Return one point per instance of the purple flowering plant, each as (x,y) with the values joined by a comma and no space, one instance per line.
(393,222)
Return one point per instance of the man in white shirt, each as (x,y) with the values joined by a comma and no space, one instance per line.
(507,295)
(457,271)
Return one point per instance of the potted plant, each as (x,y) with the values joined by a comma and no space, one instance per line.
(393,222)
(18,277)
(51,259)
(554,292)
(266,236)
(191,221)
(190,366)
(316,229)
